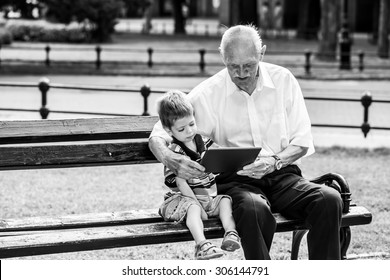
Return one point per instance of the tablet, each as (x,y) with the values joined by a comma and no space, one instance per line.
(217,160)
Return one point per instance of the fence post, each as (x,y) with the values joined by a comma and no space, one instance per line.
(150,52)
(44,86)
(201,62)
(47,49)
(0,55)
(307,62)
(98,60)
(361,58)
(345,47)
(366,102)
(145,92)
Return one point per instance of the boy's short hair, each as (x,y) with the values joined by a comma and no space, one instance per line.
(172,106)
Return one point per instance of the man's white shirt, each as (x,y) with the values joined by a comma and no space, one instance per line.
(272,117)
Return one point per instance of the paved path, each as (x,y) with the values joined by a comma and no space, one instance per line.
(179,55)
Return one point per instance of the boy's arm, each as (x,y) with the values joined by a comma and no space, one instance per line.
(187,191)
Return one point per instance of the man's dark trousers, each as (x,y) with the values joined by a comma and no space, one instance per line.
(286,192)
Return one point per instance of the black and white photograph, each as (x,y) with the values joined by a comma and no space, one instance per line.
(108,107)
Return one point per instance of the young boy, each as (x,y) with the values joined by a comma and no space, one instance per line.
(196,199)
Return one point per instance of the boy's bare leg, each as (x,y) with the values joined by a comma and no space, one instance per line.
(225,214)
(195,223)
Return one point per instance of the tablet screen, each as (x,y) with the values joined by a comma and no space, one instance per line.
(228,159)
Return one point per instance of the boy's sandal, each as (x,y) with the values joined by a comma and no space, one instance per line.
(231,241)
(205,250)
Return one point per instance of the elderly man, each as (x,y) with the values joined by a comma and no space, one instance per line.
(255,104)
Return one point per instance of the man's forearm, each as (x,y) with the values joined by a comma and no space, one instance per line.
(179,164)
(159,148)
(291,154)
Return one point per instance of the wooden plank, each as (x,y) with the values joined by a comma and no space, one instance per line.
(94,238)
(74,155)
(357,215)
(38,131)
(100,238)
(31,225)
(79,220)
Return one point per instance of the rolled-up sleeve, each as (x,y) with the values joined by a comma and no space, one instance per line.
(158,131)
(299,125)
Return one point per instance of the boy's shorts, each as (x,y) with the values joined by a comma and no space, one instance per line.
(175,206)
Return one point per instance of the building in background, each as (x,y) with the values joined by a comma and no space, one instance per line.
(302,16)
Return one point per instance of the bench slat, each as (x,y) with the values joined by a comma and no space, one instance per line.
(38,131)
(356,215)
(92,238)
(74,155)
(97,238)
(79,220)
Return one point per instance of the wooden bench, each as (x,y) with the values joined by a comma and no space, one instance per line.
(41,144)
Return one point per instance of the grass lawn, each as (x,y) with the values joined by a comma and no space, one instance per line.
(105,189)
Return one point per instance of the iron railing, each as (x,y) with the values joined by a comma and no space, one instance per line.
(150,62)
(44,85)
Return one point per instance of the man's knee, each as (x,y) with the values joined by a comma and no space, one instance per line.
(329,201)
(252,207)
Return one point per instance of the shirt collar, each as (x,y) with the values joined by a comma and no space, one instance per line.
(264,80)
(267,81)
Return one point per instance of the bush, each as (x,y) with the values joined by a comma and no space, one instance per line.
(101,14)
(42,31)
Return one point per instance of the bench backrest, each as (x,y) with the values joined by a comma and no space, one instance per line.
(75,142)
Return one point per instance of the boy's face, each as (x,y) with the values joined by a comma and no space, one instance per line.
(184,129)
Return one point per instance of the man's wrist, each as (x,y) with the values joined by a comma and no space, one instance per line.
(278,162)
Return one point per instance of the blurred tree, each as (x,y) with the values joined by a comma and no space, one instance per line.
(101,15)
(330,23)
(303,19)
(178,16)
(383,33)
(135,8)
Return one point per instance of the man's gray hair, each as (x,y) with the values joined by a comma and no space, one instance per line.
(233,31)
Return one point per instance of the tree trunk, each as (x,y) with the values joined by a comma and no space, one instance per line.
(383,34)
(178,16)
(303,19)
(330,23)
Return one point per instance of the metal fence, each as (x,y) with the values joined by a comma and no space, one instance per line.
(44,85)
(357,58)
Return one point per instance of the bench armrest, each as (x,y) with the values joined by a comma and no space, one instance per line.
(339,183)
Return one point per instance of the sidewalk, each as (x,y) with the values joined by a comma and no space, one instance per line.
(179,55)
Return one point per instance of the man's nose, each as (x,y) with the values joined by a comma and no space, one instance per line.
(242,72)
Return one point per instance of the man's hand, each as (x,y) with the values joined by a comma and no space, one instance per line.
(183,166)
(261,167)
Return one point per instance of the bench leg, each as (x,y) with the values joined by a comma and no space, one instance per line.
(345,240)
(296,242)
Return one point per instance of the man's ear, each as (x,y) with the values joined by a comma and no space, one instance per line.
(262,52)
(222,58)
